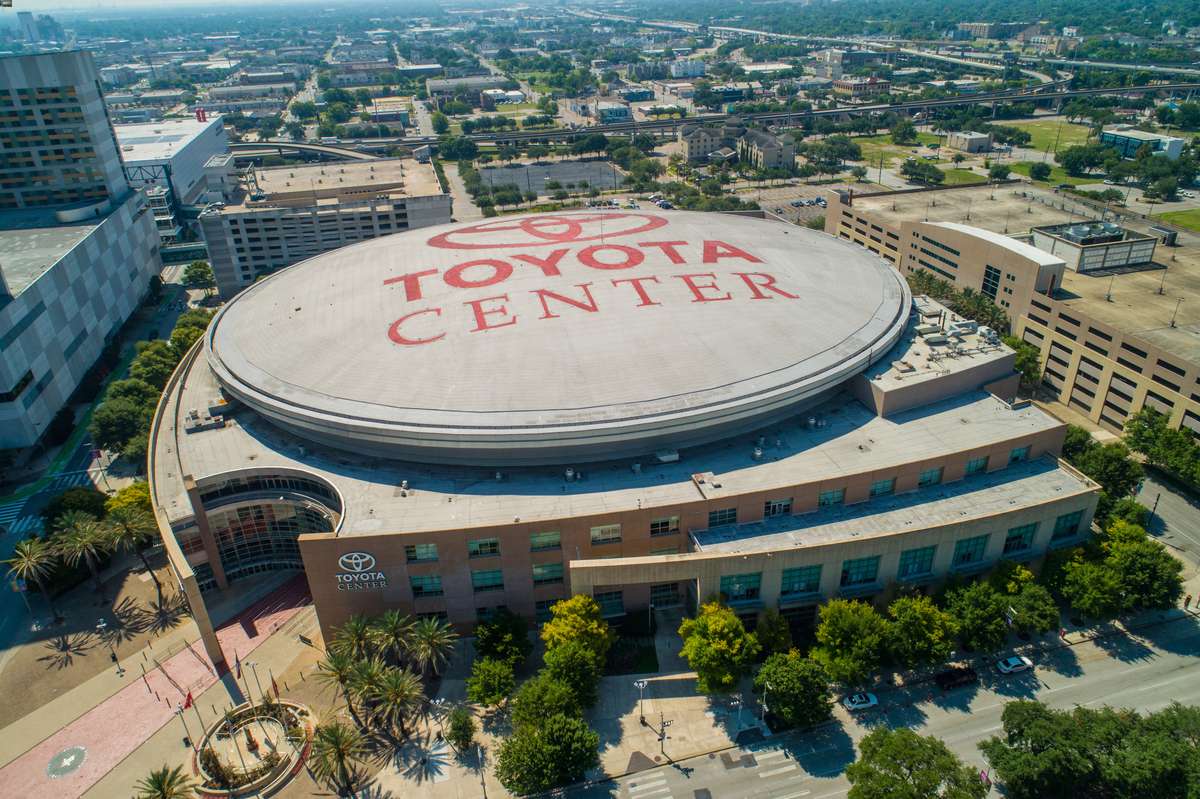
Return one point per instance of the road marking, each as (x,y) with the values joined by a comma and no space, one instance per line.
(795,795)
(778,771)
(660,789)
(657,783)
(769,754)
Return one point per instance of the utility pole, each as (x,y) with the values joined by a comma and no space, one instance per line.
(662,732)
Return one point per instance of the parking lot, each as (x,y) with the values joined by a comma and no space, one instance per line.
(534,177)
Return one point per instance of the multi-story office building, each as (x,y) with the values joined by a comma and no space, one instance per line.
(78,246)
(178,148)
(483,415)
(1127,140)
(766,151)
(1108,311)
(279,216)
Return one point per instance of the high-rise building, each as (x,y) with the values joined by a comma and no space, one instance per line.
(28,26)
(78,246)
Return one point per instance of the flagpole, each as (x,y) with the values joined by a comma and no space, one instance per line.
(186,731)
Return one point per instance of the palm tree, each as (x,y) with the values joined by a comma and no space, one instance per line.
(337,669)
(356,637)
(337,750)
(396,697)
(165,783)
(33,561)
(394,632)
(81,537)
(433,643)
(365,680)
(134,529)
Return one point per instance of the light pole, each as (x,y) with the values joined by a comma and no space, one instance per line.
(641,686)
(766,690)
(254,708)
(187,734)
(479,757)
(739,700)
(102,625)
(662,734)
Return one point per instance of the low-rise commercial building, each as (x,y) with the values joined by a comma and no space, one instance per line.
(1091,246)
(279,216)
(969,141)
(612,112)
(857,88)
(1127,140)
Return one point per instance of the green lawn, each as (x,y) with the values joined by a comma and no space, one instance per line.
(1188,219)
(1045,131)
(1057,175)
(873,147)
(962,177)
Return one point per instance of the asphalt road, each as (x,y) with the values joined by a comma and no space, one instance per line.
(1176,520)
(1146,673)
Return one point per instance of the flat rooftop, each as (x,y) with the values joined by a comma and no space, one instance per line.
(319,184)
(159,141)
(978,496)
(1135,306)
(32,241)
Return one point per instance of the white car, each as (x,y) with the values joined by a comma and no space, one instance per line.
(1014,665)
(862,701)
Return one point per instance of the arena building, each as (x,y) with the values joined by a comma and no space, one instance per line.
(652,408)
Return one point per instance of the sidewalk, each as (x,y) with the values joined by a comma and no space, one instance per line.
(120,723)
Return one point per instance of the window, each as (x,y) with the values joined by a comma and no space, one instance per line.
(777,507)
(547,573)
(930,477)
(424,585)
(1067,525)
(417,553)
(977,466)
(483,548)
(915,563)
(1019,454)
(722,516)
(970,550)
(860,571)
(740,587)
(539,542)
(991,280)
(491,580)
(881,488)
(800,580)
(834,496)
(542,610)
(1020,539)
(667,525)
(612,603)
(606,534)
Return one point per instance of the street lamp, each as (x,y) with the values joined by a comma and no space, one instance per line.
(766,690)
(101,626)
(641,686)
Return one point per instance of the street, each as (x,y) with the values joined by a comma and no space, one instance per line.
(1175,521)
(1146,673)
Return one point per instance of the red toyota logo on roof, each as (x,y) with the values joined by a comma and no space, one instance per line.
(546,229)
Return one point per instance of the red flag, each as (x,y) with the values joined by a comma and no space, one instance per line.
(275,686)
(188,701)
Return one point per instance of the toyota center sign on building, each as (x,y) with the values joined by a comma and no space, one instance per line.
(646,407)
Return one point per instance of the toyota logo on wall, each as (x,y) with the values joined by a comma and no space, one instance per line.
(357,562)
(545,230)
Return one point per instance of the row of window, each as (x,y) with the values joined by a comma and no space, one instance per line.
(485,580)
(914,564)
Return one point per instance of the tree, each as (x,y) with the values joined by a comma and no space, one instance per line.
(1028,361)
(851,637)
(460,729)
(978,610)
(366,677)
(999,172)
(799,694)
(134,529)
(337,751)
(433,642)
(154,362)
(441,123)
(458,149)
(199,275)
(958,158)
(183,337)
(115,421)
(573,664)
(1092,588)
(295,130)
(542,697)
(491,682)
(138,392)
(1148,575)
(773,631)
(397,696)
(356,637)
(80,498)
(394,634)
(80,537)
(717,647)
(904,132)
(579,619)
(899,764)
(337,669)
(165,783)
(1040,171)
(540,757)
(922,172)
(919,632)
(859,172)
(33,560)
(1035,609)
(1111,466)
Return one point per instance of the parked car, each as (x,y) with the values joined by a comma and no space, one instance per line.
(955,677)
(1014,665)
(862,701)
(779,210)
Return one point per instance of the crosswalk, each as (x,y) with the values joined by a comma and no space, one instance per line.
(16,522)
(774,763)
(653,786)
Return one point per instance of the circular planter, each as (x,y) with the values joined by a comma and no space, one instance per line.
(268,777)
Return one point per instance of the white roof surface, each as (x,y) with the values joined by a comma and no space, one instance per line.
(1040,257)
(523,339)
(159,141)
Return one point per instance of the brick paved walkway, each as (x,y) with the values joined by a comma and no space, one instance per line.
(112,730)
